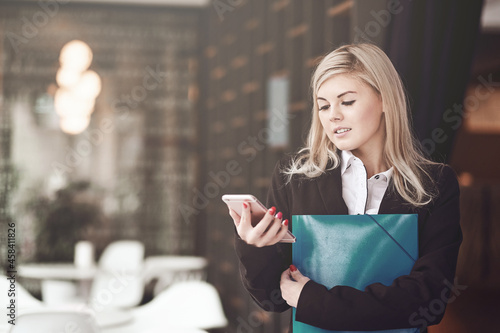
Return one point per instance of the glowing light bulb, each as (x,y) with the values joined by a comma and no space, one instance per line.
(74,124)
(69,104)
(76,56)
(74,101)
(89,85)
(67,78)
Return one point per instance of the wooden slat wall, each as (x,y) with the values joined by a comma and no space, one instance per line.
(249,44)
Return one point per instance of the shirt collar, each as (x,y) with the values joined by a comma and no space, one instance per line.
(388,173)
(346,161)
(348,156)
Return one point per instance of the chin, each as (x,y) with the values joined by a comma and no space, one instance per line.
(344,146)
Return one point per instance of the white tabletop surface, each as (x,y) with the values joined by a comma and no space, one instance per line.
(176,262)
(157,266)
(56,271)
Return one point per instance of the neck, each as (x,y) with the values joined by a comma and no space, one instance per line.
(373,162)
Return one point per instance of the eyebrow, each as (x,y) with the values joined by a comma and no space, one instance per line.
(344,93)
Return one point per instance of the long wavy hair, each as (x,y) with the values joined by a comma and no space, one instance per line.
(370,65)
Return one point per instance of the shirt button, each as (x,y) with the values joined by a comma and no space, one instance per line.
(377,177)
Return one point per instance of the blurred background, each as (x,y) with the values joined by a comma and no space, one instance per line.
(128,120)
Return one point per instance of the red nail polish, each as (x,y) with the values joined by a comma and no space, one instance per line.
(293,268)
(245,205)
(272,210)
(279,215)
(285,222)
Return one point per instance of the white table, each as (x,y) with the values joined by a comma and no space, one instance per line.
(68,272)
(57,271)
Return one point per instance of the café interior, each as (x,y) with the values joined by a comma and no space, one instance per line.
(123,122)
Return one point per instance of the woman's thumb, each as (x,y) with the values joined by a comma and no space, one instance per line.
(297,275)
(294,270)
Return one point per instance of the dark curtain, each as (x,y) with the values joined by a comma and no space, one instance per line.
(431,44)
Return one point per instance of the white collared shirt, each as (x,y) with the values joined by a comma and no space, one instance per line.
(361,195)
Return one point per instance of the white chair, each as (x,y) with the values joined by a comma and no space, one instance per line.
(84,254)
(50,321)
(23,298)
(174,330)
(124,254)
(168,269)
(163,329)
(119,282)
(188,304)
(55,292)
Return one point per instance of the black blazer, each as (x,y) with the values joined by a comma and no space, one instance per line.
(414,300)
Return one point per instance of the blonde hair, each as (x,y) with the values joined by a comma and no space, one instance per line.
(370,65)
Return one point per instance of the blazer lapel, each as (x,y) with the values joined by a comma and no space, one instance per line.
(330,191)
(393,203)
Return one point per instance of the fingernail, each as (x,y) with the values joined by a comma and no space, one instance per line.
(293,268)
(279,215)
(285,223)
(272,210)
(245,205)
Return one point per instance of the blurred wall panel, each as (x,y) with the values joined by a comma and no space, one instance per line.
(140,149)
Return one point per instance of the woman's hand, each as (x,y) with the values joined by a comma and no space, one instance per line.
(291,285)
(269,231)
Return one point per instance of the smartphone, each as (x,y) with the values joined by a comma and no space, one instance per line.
(257,210)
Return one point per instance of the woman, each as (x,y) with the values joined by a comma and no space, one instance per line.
(360,158)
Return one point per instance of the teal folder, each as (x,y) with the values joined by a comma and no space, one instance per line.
(355,251)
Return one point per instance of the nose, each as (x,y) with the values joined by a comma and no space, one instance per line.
(335,114)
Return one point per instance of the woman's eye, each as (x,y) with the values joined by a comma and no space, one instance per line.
(324,107)
(347,103)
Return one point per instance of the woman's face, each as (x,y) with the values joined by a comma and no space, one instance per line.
(351,115)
